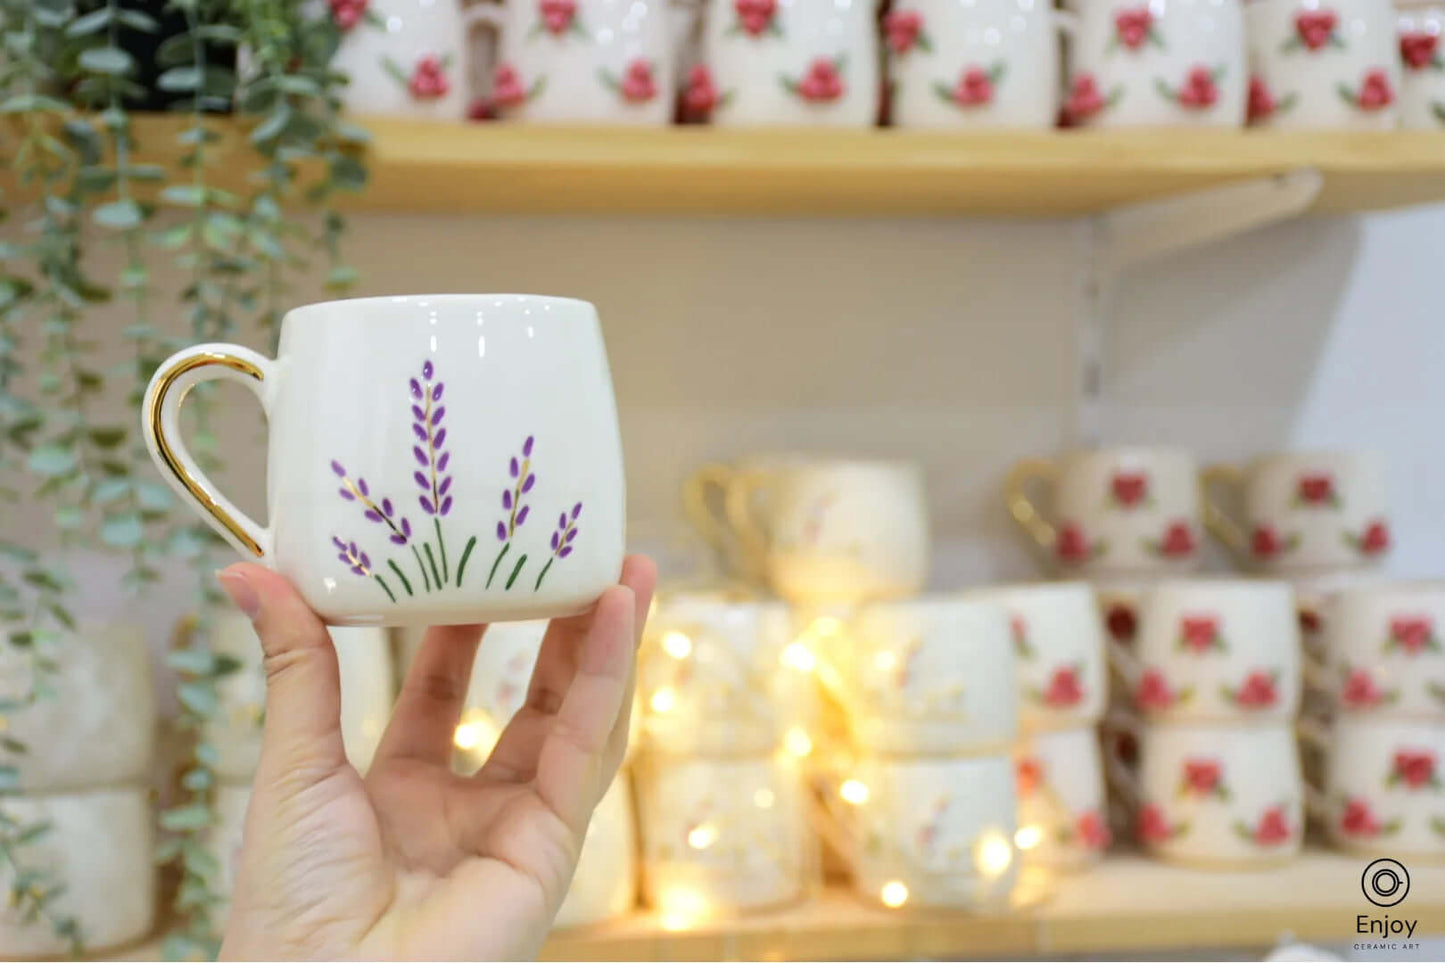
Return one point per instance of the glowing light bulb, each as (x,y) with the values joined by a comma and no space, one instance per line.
(701,837)
(663,700)
(763,798)
(798,656)
(677,645)
(885,661)
(992,854)
(854,792)
(894,894)
(681,908)
(797,742)
(1028,837)
(476,734)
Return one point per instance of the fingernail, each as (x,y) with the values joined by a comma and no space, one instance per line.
(241,592)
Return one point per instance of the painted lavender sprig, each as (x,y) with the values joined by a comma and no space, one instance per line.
(521,484)
(562,540)
(360,563)
(427,413)
(383,513)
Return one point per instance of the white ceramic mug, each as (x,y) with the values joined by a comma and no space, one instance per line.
(1165,62)
(1062,817)
(931,832)
(1059,652)
(1422,53)
(1215,649)
(1383,790)
(412,440)
(930,676)
(717,677)
(403,57)
(1216,796)
(1384,649)
(1118,510)
(582,61)
(789,62)
(722,835)
(604,886)
(1323,64)
(983,63)
(1303,511)
(835,531)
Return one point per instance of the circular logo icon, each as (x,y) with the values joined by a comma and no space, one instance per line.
(1386,882)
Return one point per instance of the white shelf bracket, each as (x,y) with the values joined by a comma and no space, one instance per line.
(1128,236)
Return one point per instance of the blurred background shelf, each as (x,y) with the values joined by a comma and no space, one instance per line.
(1127,903)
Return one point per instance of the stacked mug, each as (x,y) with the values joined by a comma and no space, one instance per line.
(604,885)
(725,692)
(1383,671)
(1207,756)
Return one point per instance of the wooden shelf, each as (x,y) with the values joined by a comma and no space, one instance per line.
(1126,903)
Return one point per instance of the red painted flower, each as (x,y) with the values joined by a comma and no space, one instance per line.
(1358,819)
(1266,542)
(756,16)
(1029,774)
(1071,545)
(1261,101)
(1316,488)
(1199,91)
(557,15)
(1178,541)
(1415,768)
(638,86)
(1153,825)
(1091,831)
(822,84)
(1418,49)
(700,97)
(1064,689)
(1360,691)
(1132,26)
(1315,27)
(348,13)
(1130,488)
(1258,691)
(1273,827)
(428,79)
(1199,632)
(1411,633)
(507,88)
(1309,621)
(1121,622)
(902,29)
(1376,538)
(1084,100)
(974,88)
(1201,776)
(1153,691)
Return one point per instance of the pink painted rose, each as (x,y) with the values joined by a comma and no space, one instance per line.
(1261,100)
(1199,632)
(902,28)
(507,88)
(1153,825)
(1418,49)
(1266,542)
(1316,488)
(1084,100)
(428,79)
(1199,91)
(1129,488)
(557,15)
(1411,632)
(1201,776)
(1029,774)
(756,16)
(638,86)
(1064,689)
(1358,819)
(348,13)
(1178,541)
(1273,828)
(1360,691)
(974,88)
(822,84)
(700,97)
(1132,26)
(1377,535)
(1153,691)
(1258,691)
(1315,27)
(1071,545)
(1092,831)
(1415,768)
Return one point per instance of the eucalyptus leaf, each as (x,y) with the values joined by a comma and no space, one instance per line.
(89,23)
(69,517)
(199,697)
(122,531)
(194,816)
(52,460)
(121,215)
(180,80)
(107,60)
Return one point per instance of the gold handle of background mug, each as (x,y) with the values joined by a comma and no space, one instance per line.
(1021,507)
(160,422)
(751,535)
(698,510)
(1220,525)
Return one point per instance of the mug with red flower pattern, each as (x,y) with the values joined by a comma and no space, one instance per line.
(973,63)
(1422,53)
(1383,790)
(929,676)
(1214,649)
(1225,797)
(581,61)
(405,57)
(439,459)
(1157,62)
(1062,819)
(943,828)
(1114,510)
(787,62)
(1323,64)
(1385,650)
(1303,512)
(1059,652)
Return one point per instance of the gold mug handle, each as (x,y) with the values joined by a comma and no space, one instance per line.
(160,423)
(1216,519)
(697,504)
(1022,508)
(752,536)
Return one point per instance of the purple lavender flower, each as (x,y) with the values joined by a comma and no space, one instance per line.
(562,540)
(353,557)
(523,479)
(354,490)
(432,458)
